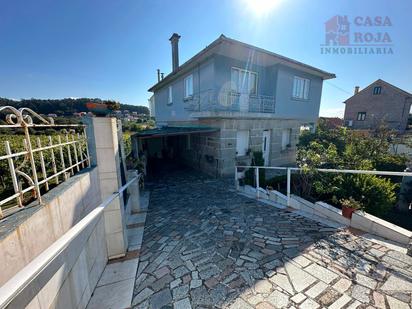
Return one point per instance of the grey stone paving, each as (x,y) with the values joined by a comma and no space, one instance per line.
(205,246)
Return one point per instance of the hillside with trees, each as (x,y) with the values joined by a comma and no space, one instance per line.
(68,106)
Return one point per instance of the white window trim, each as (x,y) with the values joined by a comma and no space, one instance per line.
(187,94)
(239,83)
(361,116)
(170,95)
(304,85)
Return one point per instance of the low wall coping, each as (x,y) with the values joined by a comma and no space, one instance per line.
(281,195)
(384,223)
(10,223)
(329,207)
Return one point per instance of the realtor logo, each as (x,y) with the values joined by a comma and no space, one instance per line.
(359,35)
(337,31)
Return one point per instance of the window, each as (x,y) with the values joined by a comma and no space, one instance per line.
(286,133)
(170,95)
(244,81)
(242,142)
(377,90)
(300,88)
(189,86)
(361,116)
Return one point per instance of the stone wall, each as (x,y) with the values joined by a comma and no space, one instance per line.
(227,141)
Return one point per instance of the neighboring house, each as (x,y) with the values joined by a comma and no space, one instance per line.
(379,103)
(229,100)
(332,122)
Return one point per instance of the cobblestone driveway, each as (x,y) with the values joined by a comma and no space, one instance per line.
(207,247)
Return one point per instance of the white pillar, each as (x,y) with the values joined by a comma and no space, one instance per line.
(134,191)
(115,228)
(288,186)
(257,181)
(108,163)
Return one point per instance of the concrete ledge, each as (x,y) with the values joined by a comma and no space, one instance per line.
(331,212)
(374,225)
(321,210)
(278,197)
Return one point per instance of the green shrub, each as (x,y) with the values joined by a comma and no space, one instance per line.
(377,194)
(257,160)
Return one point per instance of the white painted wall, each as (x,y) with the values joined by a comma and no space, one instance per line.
(70,202)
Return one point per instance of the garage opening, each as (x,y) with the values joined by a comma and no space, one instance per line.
(168,149)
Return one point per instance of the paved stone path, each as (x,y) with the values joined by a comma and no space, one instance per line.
(205,246)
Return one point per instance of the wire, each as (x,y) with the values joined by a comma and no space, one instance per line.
(337,87)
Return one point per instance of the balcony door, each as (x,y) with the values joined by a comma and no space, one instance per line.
(244,84)
(266,146)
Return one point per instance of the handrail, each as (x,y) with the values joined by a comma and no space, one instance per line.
(332,170)
(24,277)
(326,170)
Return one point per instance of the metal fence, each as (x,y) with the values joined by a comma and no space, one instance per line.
(289,171)
(38,155)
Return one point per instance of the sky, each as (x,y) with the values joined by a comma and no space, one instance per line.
(111,49)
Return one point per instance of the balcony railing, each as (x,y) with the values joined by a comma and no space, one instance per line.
(229,101)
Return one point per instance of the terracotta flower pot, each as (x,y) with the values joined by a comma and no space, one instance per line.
(347,212)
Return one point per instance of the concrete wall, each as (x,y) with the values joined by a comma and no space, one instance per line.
(215,74)
(29,232)
(390,107)
(288,107)
(223,74)
(203,79)
(72,285)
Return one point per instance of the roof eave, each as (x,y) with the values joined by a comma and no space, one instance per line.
(198,57)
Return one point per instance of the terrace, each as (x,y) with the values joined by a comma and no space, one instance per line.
(207,246)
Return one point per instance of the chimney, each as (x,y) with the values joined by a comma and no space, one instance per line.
(356,89)
(174,39)
(158,75)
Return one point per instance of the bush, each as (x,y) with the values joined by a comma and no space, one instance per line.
(343,149)
(376,194)
(257,160)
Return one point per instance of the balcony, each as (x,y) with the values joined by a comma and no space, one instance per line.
(229,101)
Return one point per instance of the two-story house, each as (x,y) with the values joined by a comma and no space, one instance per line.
(229,100)
(378,104)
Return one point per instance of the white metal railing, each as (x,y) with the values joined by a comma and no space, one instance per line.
(32,163)
(28,282)
(227,100)
(324,170)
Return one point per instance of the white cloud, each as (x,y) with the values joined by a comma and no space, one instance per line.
(332,112)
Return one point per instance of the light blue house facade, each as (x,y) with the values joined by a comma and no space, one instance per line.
(254,99)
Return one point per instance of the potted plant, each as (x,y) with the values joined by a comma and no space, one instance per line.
(349,206)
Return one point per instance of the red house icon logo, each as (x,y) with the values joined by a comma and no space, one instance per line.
(337,31)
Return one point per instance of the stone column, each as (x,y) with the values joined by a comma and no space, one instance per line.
(106,152)
(134,191)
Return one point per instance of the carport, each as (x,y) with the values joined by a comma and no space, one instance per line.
(171,148)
